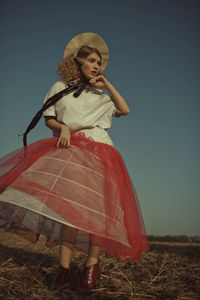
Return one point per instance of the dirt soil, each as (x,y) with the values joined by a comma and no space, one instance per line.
(167,271)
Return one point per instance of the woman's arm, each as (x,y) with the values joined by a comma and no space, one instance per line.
(121,105)
(64,137)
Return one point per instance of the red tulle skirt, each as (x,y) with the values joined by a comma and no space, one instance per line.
(85,186)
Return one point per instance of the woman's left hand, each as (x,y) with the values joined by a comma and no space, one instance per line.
(121,105)
(99,81)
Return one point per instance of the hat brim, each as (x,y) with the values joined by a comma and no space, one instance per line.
(88,39)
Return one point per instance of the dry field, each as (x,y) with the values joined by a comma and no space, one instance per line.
(167,271)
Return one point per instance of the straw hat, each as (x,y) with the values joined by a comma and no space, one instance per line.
(88,39)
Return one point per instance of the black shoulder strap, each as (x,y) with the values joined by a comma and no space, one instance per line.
(79,87)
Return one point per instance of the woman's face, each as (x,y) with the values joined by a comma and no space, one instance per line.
(91,66)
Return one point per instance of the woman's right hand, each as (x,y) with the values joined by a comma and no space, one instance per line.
(64,138)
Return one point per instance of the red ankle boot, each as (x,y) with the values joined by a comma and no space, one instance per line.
(61,279)
(89,277)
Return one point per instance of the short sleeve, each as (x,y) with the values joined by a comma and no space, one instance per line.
(56,88)
(106,111)
(112,107)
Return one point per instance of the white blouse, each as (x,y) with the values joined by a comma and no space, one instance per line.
(90,113)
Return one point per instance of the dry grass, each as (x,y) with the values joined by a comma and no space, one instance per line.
(167,271)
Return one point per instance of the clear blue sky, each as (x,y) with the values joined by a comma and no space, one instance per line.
(154,48)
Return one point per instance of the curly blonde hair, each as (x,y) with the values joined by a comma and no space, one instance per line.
(69,69)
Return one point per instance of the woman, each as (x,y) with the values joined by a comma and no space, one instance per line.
(76,188)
